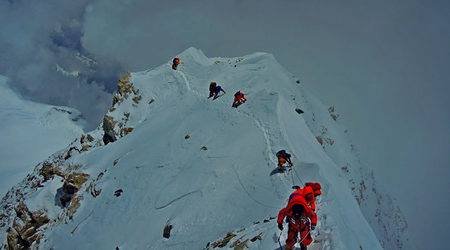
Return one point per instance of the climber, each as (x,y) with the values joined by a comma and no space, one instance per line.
(283,158)
(214,90)
(239,98)
(175,63)
(300,219)
(308,194)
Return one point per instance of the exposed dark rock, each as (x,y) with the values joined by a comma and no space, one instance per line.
(77,179)
(332,111)
(107,139)
(223,242)
(125,131)
(94,192)
(72,184)
(25,228)
(108,128)
(124,85)
(257,237)
(118,192)
(86,139)
(49,170)
(319,140)
(166,231)
(74,205)
(137,99)
(70,152)
(85,147)
(299,111)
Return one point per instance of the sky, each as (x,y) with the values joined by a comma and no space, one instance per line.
(383,64)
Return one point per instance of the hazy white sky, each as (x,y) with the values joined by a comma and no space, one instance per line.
(384,64)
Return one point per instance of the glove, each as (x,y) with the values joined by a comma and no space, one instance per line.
(313,227)
(280,226)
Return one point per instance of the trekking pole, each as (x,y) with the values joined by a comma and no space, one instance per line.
(279,243)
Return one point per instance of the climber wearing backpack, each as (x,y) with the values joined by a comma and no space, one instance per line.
(300,219)
(214,90)
(307,193)
(239,98)
(175,62)
(283,158)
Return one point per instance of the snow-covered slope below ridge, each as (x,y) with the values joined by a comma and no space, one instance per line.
(196,164)
(30,132)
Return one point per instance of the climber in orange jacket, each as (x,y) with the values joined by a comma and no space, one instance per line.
(176,61)
(308,194)
(300,220)
(239,98)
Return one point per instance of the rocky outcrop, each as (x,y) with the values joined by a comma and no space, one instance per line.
(333,114)
(86,142)
(125,131)
(117,128)
(24,226)
(108,129)
(242,238)
(25,230)
(72,184)
(125,88)
(49,170)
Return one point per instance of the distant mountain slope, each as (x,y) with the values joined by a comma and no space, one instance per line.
(176,158)
(30,132)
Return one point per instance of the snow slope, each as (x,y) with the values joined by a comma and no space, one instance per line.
(379,208)
(30,132)
(196,164)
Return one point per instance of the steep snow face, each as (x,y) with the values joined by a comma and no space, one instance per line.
(198,165)
(30,132)
(379,208)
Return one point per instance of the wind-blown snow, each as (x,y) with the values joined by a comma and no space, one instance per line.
(30,132)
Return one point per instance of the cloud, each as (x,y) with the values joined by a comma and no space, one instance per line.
(42,54)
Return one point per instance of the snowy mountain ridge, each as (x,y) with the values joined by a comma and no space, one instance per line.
(30,132)
(175,158)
